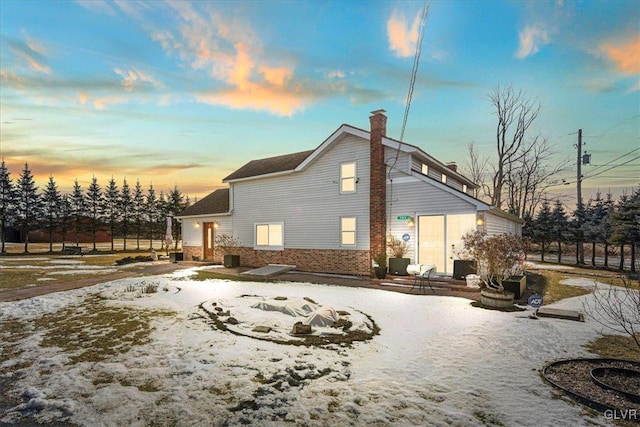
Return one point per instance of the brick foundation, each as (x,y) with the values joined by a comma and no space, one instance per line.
(191,251)
(312,260)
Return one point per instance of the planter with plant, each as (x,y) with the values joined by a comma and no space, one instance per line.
(380,267)
(229,246)
(397,262)
(463,264)
(499,261)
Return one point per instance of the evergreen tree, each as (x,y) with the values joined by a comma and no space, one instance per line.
(95,208)
(78,210)
(125,210)
(7,202)
(176,203)
(543,229)
(28,204)
(66,213)
(151,212)
(111,199)
(576,228)
(596,224)
(138,212)
(51,199)
(609,206)
(560,225)
(626,227)
(161,218)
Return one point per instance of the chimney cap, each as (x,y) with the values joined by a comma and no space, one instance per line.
(376,112)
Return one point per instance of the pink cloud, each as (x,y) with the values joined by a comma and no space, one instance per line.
(228,49)
(625,55)
(252,96)
(276,76)
(402,37)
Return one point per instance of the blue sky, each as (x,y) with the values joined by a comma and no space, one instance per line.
(186,92)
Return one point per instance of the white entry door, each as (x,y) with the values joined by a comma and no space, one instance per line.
(440,236)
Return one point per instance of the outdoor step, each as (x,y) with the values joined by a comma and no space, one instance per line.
(559,313)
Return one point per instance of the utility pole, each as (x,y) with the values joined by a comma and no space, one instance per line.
(579,242)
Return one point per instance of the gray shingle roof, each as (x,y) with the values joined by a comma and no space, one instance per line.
(214,203)
(270,165)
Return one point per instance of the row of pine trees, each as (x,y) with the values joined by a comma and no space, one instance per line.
(602,222)
(122,210)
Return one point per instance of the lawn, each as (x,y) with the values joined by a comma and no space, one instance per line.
(163,350)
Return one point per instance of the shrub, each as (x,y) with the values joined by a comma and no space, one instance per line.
(498,257)
(397,247)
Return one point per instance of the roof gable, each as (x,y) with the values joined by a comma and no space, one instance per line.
(214,203)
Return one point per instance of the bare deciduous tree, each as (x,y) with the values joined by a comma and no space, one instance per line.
(528,178)
(475,168)
(617,308)
(515,112)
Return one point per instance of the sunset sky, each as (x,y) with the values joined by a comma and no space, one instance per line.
(186,92)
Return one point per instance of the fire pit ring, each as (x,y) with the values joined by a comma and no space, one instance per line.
(611,378)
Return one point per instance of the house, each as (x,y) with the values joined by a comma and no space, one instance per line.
(332,208)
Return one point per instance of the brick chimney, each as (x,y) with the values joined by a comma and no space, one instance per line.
(378,185)
(453,166)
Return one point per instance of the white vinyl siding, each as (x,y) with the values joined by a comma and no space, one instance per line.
(308,202)
(192,229)
(419,198)
(269,236)
(348,231)
(498,225)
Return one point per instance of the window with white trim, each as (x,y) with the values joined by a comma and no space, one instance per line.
(269,236)
(444,178)
(348,177)
(348,231)
(425,169)
(464,188)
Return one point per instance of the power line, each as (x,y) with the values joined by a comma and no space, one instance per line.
(416,63)
(614,126)
(612,167)
(616,159)
(414,73)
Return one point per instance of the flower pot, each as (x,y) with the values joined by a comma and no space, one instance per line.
(515,284)
(398,266)
(491,298)
(232,261)
(381,272)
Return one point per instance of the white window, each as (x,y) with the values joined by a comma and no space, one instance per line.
(269,236)
(348,231)
(444,178)
(348,177)
(425,169)
(464,188)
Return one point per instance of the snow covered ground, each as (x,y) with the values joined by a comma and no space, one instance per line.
(437,361)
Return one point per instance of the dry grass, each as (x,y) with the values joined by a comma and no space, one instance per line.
(547,282)
(615,346)
(93,331)
(14,276)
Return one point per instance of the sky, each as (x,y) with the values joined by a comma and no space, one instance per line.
(183,93)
